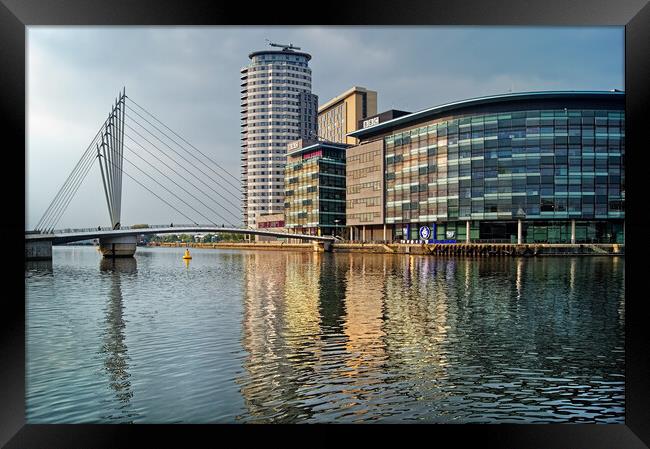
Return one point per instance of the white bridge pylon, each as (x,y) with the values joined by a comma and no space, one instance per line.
(111,150)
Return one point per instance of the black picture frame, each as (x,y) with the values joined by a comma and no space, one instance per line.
(15,15)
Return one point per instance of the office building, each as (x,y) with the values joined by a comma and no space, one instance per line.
(341,115)
(315,188)
(521,167)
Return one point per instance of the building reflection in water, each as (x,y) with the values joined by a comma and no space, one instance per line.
(269,383)
(114,349)
(363,328)
(364,302)
(519,277)
(350,337)
(416,325)
(293,332)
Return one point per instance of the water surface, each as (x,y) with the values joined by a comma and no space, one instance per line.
(266,336)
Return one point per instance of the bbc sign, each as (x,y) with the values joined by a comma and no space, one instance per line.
(371,122)
(294,145)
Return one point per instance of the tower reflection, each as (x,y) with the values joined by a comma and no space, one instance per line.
(114,349)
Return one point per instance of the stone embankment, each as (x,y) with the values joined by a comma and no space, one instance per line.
(242,245)
(438,249)
(486,249)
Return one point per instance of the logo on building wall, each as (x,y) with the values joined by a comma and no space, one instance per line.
(450,234)
(371,122)
(425,232)
(294,145)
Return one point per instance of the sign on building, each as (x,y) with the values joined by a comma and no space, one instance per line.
(371,122)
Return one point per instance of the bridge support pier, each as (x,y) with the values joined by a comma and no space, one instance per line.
(118,246)
(38,250)
(322,247)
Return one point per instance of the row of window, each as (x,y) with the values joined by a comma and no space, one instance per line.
(356,188)
(366,202)
(276,68)
(366,157)
(276,87)
(272,103)
(275,96)
(363,172)
(507,120)
(278,74)
(364,217)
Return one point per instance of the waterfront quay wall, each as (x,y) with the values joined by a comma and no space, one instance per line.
(438,249)
(485,249)
(275,245)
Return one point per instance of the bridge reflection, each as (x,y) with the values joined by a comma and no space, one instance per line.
(114,349)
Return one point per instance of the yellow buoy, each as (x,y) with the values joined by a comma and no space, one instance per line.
(187,254)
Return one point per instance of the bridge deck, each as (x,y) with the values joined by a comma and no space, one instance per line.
(87,234)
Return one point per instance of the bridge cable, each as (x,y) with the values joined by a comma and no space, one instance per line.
(180,155)
(176,134)
(52,208)
(177,173)
(68,180)
(157,196)
(179,164)
(69,196)
(67,191)
(237,189)
(185,179)
(159,121)
(72,192)
(175,183)
(172,169)
(164,187)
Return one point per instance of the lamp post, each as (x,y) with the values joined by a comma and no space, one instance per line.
(336,224)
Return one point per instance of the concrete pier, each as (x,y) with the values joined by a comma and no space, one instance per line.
(118,246)
(38,250)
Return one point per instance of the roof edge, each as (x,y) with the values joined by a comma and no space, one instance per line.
(341,96)
(483,100)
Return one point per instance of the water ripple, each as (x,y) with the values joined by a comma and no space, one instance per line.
(240,336)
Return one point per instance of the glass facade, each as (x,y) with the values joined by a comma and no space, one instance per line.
(315,190)
(544,166)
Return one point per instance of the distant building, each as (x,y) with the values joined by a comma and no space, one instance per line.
(277,106)
(340,115)
(315,188)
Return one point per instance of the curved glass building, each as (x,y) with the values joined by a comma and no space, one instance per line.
(523,167)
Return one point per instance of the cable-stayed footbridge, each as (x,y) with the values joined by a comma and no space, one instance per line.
(175,172)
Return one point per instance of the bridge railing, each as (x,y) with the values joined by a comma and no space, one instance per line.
(133,227)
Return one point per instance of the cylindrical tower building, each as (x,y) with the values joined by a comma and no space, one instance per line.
(277,106)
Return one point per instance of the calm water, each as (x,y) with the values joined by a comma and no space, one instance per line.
(244,336)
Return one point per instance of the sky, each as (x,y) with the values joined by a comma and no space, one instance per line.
(189,77)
